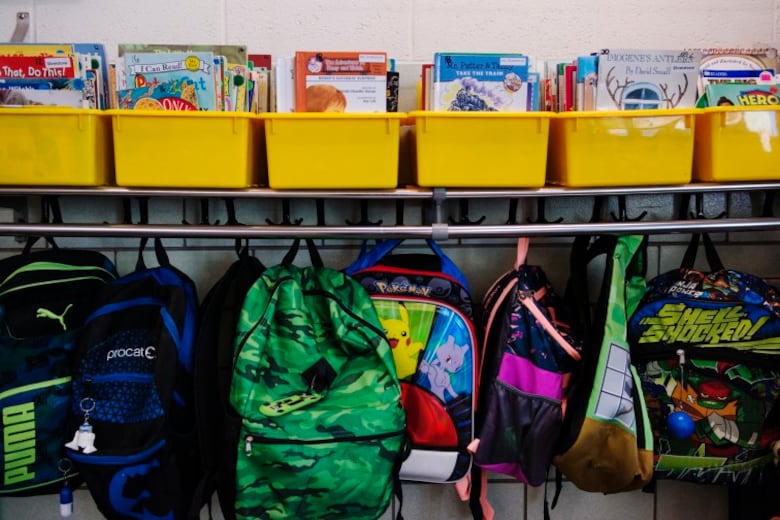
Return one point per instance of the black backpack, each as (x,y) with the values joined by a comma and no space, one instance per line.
(218,424)
(132,411)
(44,298)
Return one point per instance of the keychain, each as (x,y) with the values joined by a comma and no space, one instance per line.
(66,494)
(84,438)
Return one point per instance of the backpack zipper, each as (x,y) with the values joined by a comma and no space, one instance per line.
(250,439)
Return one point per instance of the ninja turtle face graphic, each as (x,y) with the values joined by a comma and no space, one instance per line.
(713,395)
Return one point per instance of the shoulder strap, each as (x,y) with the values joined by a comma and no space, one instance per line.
(159,251)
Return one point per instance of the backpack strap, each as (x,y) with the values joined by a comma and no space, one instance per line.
(713,259)
(159,251)
(522,251)
(373,256)
(314,255)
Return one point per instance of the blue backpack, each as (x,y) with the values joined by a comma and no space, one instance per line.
(133,421)
(424,304)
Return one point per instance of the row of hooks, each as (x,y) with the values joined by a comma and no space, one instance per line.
(50,211)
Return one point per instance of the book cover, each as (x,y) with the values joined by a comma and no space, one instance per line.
(37,67)
(635,79)
(742,94)
(587,79)
(737,65)
(480,82)
(174,94)
(29,95)
(336,81)
(148,69)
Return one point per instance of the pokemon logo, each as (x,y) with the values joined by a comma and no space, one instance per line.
(675,322)
(403,288)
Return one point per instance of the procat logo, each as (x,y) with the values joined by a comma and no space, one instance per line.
(149,352)
(18,443)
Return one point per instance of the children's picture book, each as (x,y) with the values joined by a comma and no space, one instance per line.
(757,66)
(481,82)
(636,79)
(150,69)
(27,95)
(174,94)
(742,94)
(57,67)
(587,79)
(338,81)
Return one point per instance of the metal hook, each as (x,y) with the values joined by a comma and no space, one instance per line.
(21,28)
(699,204)
(622,215)
(364,217)
(540,218)
(286,220)
(769,204)
(463,204)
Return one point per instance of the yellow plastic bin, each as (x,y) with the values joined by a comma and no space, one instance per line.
(621,148)
(481,149)
(326,150)
(55,146)
(185,149)
(738,143)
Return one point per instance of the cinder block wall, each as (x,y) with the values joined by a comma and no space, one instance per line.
(411,31)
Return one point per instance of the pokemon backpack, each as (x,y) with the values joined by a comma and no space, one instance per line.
(424,304)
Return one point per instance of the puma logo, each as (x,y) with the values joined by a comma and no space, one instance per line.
(46,313)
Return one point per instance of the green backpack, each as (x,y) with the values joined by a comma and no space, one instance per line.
(315,385)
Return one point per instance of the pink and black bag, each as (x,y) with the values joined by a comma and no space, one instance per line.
(528,354)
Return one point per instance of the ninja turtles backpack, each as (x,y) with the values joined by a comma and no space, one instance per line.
(322,427)
(706,345)
(424,304)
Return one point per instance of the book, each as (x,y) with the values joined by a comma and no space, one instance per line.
(480,82)
(742,94)
(37,67)
(636,79)
(29,95)
(174,94)
(587,79)
(284,84)
(737,65)
(194,69)
(340,81)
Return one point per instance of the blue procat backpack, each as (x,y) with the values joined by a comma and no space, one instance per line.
(132,417)
(424,304)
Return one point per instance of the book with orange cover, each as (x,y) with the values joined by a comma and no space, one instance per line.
(333,81)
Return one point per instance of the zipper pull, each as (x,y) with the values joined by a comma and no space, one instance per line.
(248,445)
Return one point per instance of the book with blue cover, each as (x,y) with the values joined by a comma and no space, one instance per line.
(150,69)
(483,82)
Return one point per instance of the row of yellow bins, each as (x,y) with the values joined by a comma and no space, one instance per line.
(73,147)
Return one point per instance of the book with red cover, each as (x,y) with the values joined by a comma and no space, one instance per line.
(334,81)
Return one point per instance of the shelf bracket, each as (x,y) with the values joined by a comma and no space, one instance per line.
(21,28)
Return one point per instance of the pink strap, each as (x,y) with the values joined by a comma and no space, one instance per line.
(522,251)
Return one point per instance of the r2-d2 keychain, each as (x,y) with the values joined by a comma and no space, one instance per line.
(84,438)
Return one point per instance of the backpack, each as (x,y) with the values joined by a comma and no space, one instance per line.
(132,413)
(706,346)
(218,423)
(528,352)
(424,304)
(322,427)
(44,298)
(605,443)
